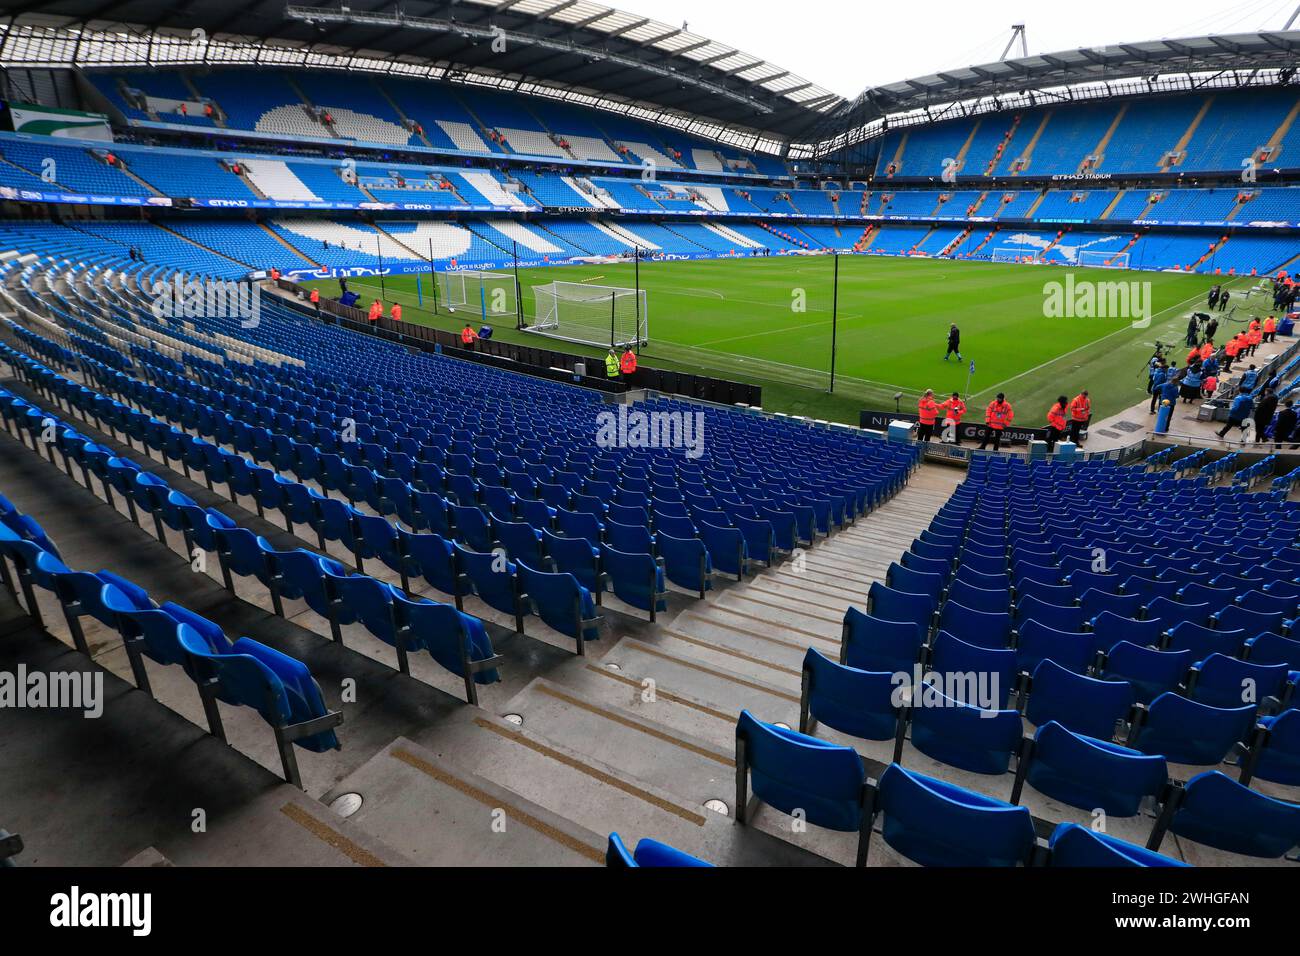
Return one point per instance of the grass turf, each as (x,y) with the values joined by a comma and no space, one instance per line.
(741,319)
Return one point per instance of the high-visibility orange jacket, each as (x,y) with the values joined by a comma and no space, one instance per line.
(1206,351)
(1270,324)
(1056,417)
(928,409)
(1254,324)
(1191,356)
(627,364)
(1254,336)
(275,273)
(1231,348)
(396,312)
(1080,408)
(376,310)
(998,415)
(953,408)
(1241,341)
(468,335)
(315,296)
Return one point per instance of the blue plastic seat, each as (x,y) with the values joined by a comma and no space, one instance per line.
(1036,642)
(649,853)
(1088,773)
(979,599)
(636,579)
(900,578)
(1094,603)
(574,524)
(1184,731)
(1223,681)
(727,548)
(981,628)
(994,668)
(935,823)
(561,602)
(1171,613)
(1234,617)
(455,640)
(1082,704)
(1274,751)
(635,539)
(492,578)
(890,605)
(792,772)
(1058,617)
(686,562)
(522,541)
(871,643)
(578,557)
(1273,649)
(1150,672)
(1072,845)
(1217,811)
(960,734)
(854,702)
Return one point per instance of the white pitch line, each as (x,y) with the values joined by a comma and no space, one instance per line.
(1086,345)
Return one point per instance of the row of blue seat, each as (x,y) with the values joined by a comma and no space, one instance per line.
(457,641)
(936,823)
(240,673)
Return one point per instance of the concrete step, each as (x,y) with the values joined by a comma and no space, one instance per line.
(678,692)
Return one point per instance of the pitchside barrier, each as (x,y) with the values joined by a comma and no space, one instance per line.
(545,363)
(966,431)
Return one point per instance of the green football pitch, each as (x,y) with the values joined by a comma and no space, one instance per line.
(768,321)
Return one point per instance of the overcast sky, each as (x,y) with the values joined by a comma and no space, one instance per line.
(848,45)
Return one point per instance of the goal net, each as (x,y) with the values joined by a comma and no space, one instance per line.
(608,316)
(1016,254)
(1103,260)
(477,292)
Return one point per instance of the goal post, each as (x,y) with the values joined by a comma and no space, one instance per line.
(1017,254)
(1097,259)
(607,316)
(490,294)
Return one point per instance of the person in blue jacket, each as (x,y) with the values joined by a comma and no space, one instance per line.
(1238,413)
(1159,373)
(1169,390)
(1249,378)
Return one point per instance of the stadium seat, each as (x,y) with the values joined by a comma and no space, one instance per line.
(854,702)
(792,772)
(935,823)
(1219,812)
(1082,704)
(1088,773)
(1072,845)
(648,853)
(1184,731)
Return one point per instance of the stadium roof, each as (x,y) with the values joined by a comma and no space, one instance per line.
(572,43)
(1199,55)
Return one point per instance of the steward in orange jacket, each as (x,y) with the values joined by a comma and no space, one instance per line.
(376,310)
(1206,350)
(627,362)
(1080,412)
(997,416)
(928,410)
(1056,423)
(953,409)
(1270,329)
(468,336)
(396,312)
